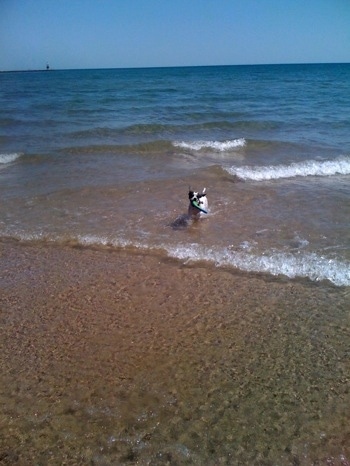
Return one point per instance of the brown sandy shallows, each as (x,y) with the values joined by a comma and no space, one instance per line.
(120,358)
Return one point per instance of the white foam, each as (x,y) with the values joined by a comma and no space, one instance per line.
(217,146)
(309,265)
(8,158)
(338,166)
(291,265)
(306,265)
(96,240)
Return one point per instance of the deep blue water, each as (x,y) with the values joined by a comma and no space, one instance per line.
(296,104)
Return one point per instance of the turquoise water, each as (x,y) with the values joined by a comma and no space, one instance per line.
(105,157)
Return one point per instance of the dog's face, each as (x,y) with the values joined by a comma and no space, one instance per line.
(198,202)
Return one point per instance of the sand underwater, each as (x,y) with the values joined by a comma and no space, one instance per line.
(117,357)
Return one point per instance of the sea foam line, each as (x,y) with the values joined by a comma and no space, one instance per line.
(306,265)
(338,166)
(310,265)
(8,158)
(303,265)
(214,145)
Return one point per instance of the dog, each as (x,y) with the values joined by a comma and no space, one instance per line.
(198,204)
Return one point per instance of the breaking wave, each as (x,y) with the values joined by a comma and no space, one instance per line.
(306,265)
(310,265)
(217,146)
(9,158)
(292,265)
(338,166)
(313,266)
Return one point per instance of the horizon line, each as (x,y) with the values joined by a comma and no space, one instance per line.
(168,66)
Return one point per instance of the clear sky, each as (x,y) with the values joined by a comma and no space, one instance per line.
(142,33)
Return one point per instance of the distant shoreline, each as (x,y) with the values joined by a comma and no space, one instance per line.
(26,71)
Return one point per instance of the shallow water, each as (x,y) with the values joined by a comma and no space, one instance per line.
(115,358)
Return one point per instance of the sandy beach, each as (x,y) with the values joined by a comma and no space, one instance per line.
(113,357)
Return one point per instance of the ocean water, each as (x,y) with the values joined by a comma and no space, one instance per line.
(104,158)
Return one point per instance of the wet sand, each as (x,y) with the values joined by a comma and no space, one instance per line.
(113,357)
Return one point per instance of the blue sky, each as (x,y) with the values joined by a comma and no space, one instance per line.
(142,33)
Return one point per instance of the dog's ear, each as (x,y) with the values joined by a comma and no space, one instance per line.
(190,194)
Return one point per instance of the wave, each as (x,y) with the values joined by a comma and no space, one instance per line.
(172,146)
(307,265)
(338,166)
(9,158)
(292,265)
(156,146)
(217,146)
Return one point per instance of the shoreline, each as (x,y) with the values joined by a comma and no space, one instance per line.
(122,357)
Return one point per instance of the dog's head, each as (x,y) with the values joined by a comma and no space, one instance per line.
(194,196)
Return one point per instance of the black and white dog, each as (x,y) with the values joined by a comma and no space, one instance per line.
(198,203)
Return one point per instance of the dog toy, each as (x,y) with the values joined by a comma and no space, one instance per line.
(197,206)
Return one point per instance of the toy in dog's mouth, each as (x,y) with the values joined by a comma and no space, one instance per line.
(198,201)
